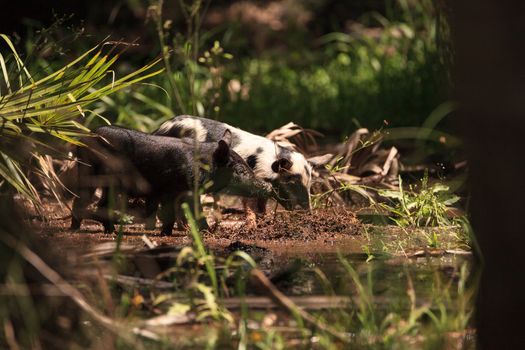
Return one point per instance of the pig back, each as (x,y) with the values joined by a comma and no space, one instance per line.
(140,163)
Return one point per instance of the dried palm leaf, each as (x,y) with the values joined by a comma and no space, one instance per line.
(295,137)
(357,164)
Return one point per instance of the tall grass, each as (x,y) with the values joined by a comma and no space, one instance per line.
(426,206)
(193,78)
(193,71)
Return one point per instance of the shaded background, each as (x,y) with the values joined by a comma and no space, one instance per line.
(328,65)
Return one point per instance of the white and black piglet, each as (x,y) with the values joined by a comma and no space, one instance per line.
(289,172)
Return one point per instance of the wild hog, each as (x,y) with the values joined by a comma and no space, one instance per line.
(158,169)
(288,171)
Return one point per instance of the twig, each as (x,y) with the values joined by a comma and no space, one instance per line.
(287,303)
(68,290)
(310,302)
(388,162)
(10,337)
(148,242)
(275,211)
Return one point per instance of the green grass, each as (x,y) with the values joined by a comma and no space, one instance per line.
(426,205)
(349,79)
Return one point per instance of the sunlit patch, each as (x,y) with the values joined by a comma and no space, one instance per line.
(189,127)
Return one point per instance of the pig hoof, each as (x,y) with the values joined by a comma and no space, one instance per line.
(250,227)
(75,224)
(251,220)
(109,230)
(250,224)
(165,233)
(214,227)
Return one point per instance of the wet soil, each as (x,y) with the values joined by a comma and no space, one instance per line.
(328,223)
(322,230)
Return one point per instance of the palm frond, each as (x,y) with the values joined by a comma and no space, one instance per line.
(40,113)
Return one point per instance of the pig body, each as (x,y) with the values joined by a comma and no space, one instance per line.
(288,171)
(159,169)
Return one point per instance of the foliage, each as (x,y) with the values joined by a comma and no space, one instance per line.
(419,323)
(193,73)
(201,288)
(394,71)
(427,206)
(36,113)
(393,329)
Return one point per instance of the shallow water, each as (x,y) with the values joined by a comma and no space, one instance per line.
(299,274)
(385,277)
(389,282)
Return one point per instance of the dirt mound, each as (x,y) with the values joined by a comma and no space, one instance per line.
(298,225)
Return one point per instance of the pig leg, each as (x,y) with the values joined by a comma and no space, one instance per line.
(216,213)
(196,212)
(261,206)
(180,219)
(202,224)
(80,204)
(253,207)
(151,213)
(85,195)
(103,213)
(167,215)
(250,207)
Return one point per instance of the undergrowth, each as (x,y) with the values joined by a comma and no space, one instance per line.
(333,84)
(426,205)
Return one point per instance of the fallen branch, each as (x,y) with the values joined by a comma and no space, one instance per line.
(139,282)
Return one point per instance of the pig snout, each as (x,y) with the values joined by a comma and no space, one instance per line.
(293,196)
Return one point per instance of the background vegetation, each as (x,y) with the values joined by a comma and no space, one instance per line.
(322,64)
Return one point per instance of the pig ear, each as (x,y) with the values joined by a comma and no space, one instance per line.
(227,137)
(320,160)
(280,164)
(222,152)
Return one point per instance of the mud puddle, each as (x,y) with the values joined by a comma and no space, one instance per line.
(297,250)
(323,261)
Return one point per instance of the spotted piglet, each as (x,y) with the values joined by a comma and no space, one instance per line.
(289,173)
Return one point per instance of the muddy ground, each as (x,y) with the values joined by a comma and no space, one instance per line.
(322,230)
(296,233)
